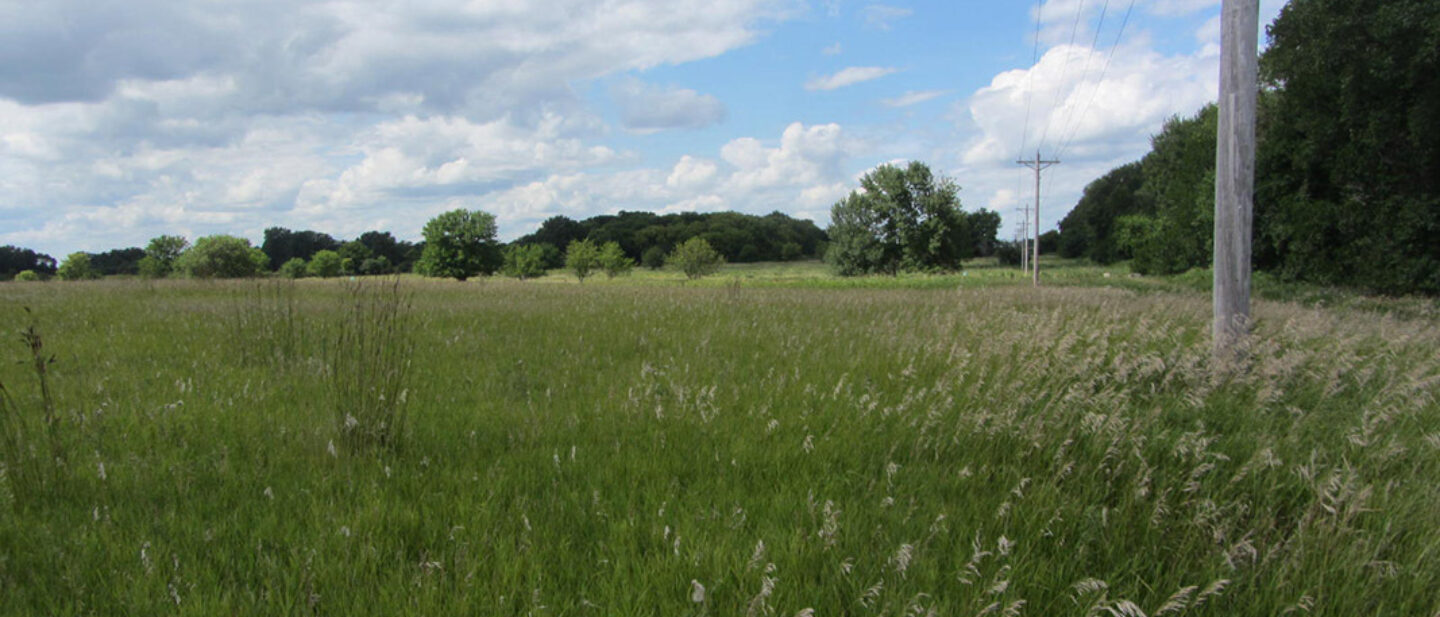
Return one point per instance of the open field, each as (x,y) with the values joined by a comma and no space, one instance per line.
(637,447)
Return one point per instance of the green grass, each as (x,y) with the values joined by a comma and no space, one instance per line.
(918,445)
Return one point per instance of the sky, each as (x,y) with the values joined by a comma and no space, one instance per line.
(124,120)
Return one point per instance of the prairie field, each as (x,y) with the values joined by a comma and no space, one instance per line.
(777,446)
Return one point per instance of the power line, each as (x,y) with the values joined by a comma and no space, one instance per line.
(1030,76)
(1065,68)
(1072,130)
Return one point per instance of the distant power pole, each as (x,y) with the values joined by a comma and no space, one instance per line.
(1235,172)
(1025,240)
(1039,166)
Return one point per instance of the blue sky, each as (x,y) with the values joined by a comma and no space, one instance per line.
(120,121)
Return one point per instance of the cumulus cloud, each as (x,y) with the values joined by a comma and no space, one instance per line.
(647,108)
(1093,124)
(119,121)
(848,77)
(913,97)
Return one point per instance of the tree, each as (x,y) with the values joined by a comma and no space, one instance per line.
(614,261)
(281,244)
(161,253)
(326,264)
(118,261)
(222,256)
(76,267)
(1179,184)
(524,261)
(460,244)
(1088,231)
(654,257)
(1348,189)
(696,258)
(14,259)
(582,257)
(295,268)
(903,219)
(353,254)
(27,276)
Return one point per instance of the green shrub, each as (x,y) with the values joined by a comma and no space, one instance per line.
(326,264)
(582,257)
(27,275)
(614,261)
(294,268)
(222,256)
(76,267)
(696,258)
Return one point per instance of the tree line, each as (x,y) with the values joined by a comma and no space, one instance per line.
(1347,168)
(457,244)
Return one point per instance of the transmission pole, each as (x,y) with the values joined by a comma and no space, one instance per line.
(1235,173)
(1039,166)
(1025,240)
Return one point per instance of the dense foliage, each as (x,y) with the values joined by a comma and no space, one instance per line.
(1089,230)
(739,237)
(14,260)
(905,219)
(222,256)
(77,267)
(460,244)
(1348,163)
(524,261)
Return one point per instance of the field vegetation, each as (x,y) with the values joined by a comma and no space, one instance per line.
(753,443)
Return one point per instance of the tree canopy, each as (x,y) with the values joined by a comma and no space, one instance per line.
(460,244)
(905,219)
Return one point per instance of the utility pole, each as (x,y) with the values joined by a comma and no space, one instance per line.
(1235,173)
(1025,240)
(1039,166)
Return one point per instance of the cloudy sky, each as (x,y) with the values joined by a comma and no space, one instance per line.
(123,120)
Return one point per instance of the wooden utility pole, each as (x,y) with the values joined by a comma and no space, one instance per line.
(1025,240)
(1235,172)
(1037,165)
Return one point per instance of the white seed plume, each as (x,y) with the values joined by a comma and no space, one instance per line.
(697,592)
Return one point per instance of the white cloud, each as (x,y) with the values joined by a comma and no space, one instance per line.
(881,16)
(1093,125)
(691,173)
(647,108)
(833,50)
(848,77)
(805,156)
(913,97)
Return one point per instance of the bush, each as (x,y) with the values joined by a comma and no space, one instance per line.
(524,261)
(27,275)
(295,268)
(653,258)
(77,267)
(582,258)
(161,255)
(696,258)
(326,264)
(614,261)
(222,256)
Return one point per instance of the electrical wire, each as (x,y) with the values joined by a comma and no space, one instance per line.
(1073,130)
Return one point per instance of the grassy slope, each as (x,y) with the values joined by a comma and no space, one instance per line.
(592,450)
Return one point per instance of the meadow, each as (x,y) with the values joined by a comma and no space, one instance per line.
(769,441)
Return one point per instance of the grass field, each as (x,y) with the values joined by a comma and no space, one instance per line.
(763,442)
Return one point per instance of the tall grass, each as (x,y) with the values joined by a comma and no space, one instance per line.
(367,364)
(649,450)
